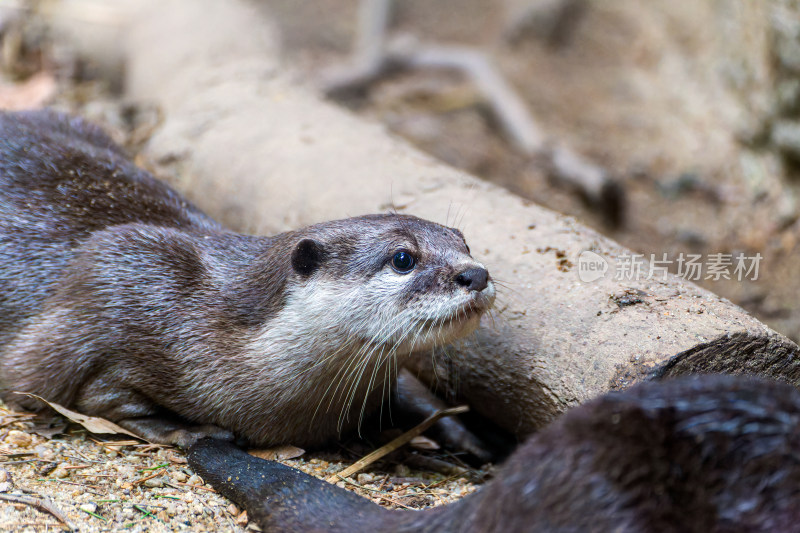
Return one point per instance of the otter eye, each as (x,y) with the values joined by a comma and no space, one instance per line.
(403,262)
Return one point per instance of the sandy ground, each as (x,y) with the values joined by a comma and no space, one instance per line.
(54,481)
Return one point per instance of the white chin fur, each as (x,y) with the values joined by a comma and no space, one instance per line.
(329,318)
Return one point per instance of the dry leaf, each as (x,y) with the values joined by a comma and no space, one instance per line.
(176,459)
(93,424)
(277,453)
(35,92)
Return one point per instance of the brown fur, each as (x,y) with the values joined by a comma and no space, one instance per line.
(121,299)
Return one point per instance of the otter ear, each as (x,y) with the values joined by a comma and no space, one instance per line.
(307,256)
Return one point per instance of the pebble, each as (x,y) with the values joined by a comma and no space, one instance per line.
(6,483)
(154,482)
(88,507)
(179,476)
(124,470)
(195,480)
(18,438)
(60,472)
(363,479)
(45,453)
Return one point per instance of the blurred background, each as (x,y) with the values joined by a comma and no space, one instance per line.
(682,117)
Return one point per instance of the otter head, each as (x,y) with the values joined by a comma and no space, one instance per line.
(390,281)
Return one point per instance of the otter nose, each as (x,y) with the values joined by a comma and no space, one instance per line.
(474,279)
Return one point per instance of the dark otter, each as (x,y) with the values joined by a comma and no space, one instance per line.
(705,454)
(121,299)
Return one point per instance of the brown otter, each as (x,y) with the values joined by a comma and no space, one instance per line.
(704,453)
(120,298)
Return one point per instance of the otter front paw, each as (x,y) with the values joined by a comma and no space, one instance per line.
(165,431)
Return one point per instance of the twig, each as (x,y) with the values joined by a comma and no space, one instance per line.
(90,488)
(373,56)
(511,111)
(368,58)
(178,485)
(396,443)
(151,476)
(437,465)
(41,504)
(373,22)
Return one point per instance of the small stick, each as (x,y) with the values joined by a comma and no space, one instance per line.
(42,505)
(396,443)
(90,488)
(368,57)
(511,111)
(178,485)
(151,476)
(374,55)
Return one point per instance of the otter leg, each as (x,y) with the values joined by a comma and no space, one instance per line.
(137,413)
(414,399)
(173,432)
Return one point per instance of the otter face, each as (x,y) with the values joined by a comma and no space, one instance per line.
(359,295)
(393,281)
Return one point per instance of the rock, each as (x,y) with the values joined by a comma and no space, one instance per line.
(60,472)
(88,507)
(365,478)
(154,482)
(18,438)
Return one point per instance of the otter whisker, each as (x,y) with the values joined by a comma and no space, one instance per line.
(377,366)
(357,375)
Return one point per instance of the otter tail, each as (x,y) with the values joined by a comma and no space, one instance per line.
(280,498)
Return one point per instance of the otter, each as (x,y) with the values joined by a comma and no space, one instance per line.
(121,299)
(703,453)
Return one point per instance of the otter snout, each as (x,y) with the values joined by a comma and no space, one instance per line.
(473,279)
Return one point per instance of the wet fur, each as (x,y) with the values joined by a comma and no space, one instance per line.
(121,299)
(701,454)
